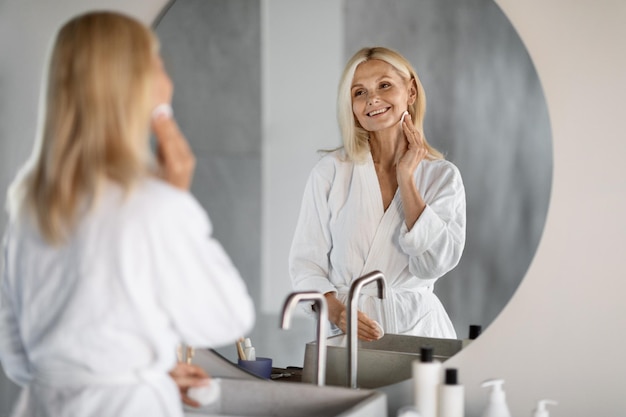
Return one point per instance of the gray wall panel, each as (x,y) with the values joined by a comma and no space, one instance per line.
(487,113)
(212,52)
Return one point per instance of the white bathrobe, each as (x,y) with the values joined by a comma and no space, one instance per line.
(91,327)
(343,233)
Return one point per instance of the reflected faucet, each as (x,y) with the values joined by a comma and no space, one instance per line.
(353,298)
(322,325)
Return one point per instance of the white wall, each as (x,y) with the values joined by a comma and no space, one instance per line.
(561,336)
(302,59)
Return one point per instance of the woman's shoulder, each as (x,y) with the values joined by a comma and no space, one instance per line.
(441,167)
(330,166)
(152,199)
(332,161)
(439,173)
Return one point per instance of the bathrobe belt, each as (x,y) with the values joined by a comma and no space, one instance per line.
(75,378)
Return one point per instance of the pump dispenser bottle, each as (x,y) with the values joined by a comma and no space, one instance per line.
(496,406)
(426,380)
(541,410)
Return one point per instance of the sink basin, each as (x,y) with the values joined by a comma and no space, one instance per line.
(262,398)
(382,362)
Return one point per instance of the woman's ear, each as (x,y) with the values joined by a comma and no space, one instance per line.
(412,92)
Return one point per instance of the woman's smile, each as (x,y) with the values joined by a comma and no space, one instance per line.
(378,111)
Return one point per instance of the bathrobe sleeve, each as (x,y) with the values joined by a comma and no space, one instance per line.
(309,256)
(435,242)
(200,288)
(12,352)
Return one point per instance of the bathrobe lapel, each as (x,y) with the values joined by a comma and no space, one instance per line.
(379,256)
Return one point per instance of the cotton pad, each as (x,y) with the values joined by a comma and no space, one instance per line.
(402,120)
(380,329)
(207,394)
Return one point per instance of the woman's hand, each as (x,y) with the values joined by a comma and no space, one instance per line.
(188,376)
(412,150)
(337,314)
(175,157)
(176,160)
(411,153)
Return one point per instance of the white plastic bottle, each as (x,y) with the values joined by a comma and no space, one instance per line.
(541,410)
(451,396)
(426,380)
(249,350)
(496,406)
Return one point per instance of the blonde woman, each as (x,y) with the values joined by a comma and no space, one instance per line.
(109,262)
(385,201)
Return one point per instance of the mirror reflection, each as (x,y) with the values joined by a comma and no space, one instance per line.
(255,94)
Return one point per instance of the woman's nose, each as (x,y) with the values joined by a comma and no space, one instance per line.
(372,98)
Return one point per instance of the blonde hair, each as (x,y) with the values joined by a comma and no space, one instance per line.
(355,138)
(96,126)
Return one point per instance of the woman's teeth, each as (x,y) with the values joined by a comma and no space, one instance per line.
(375,112)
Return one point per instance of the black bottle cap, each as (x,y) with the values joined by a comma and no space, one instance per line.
(451,376)
(426,354)
(474,331)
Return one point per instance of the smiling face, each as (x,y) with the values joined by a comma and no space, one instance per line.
(380,95)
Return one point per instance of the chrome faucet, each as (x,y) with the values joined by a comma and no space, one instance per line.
(322,325)
(353,298)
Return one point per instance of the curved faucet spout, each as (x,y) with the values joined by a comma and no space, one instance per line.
(322,325)
(353,298)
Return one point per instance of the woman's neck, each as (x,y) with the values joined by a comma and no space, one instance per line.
(384,146)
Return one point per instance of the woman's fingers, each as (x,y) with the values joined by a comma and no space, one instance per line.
(337,312)
(413,136)
(190,402)
(366,328)
(187,376)
(415,151)
(175,156)
(188,370)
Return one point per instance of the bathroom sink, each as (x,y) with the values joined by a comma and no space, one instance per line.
(380,363)
(262,398)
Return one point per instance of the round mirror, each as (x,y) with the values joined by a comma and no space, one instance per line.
(255,95)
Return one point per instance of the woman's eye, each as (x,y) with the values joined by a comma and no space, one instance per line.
(385,85)
(358,93)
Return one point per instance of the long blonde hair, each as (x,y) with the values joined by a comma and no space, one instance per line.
(96,126)
(355,138)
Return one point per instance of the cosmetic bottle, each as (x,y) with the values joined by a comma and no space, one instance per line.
(249,350)
(496,406)
(451,395)
(426,380)
(474,332)
(541,410)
